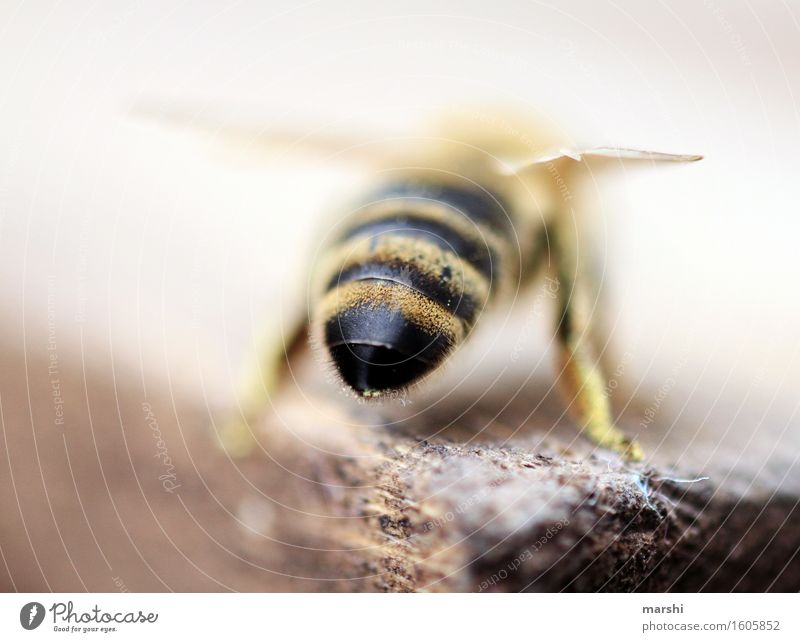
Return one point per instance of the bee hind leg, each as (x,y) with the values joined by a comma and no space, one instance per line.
(581,379)
(582,384)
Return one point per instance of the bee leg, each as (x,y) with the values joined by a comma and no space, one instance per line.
(582,381)
(263,380)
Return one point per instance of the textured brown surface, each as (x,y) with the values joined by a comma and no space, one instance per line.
(533,514)
(329,507)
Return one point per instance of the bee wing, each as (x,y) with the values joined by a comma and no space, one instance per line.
(269,143)
(622,153)
(600,156)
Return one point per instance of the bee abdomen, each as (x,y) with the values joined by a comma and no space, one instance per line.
(480,206)
(414,224)
(406,281)
(460,303)
(383,335)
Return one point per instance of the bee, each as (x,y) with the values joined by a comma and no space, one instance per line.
(464,213)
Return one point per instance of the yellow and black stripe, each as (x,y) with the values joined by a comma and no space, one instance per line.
(406,281)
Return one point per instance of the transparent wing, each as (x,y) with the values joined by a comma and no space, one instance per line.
(270,143)
(588,155)
(623,153)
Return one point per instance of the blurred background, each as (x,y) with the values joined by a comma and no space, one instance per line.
(140,263)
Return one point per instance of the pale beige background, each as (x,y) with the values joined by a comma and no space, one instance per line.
(144,244)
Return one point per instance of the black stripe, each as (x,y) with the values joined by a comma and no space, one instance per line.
(475,204)
(380,325)
(409,224)
(410,275)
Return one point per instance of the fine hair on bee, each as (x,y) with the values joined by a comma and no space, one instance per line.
(406,277)
(460,216)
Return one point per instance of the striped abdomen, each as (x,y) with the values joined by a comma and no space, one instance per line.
(406,281)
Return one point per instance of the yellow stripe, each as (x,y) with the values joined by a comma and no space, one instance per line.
(422,254)
(415,307)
